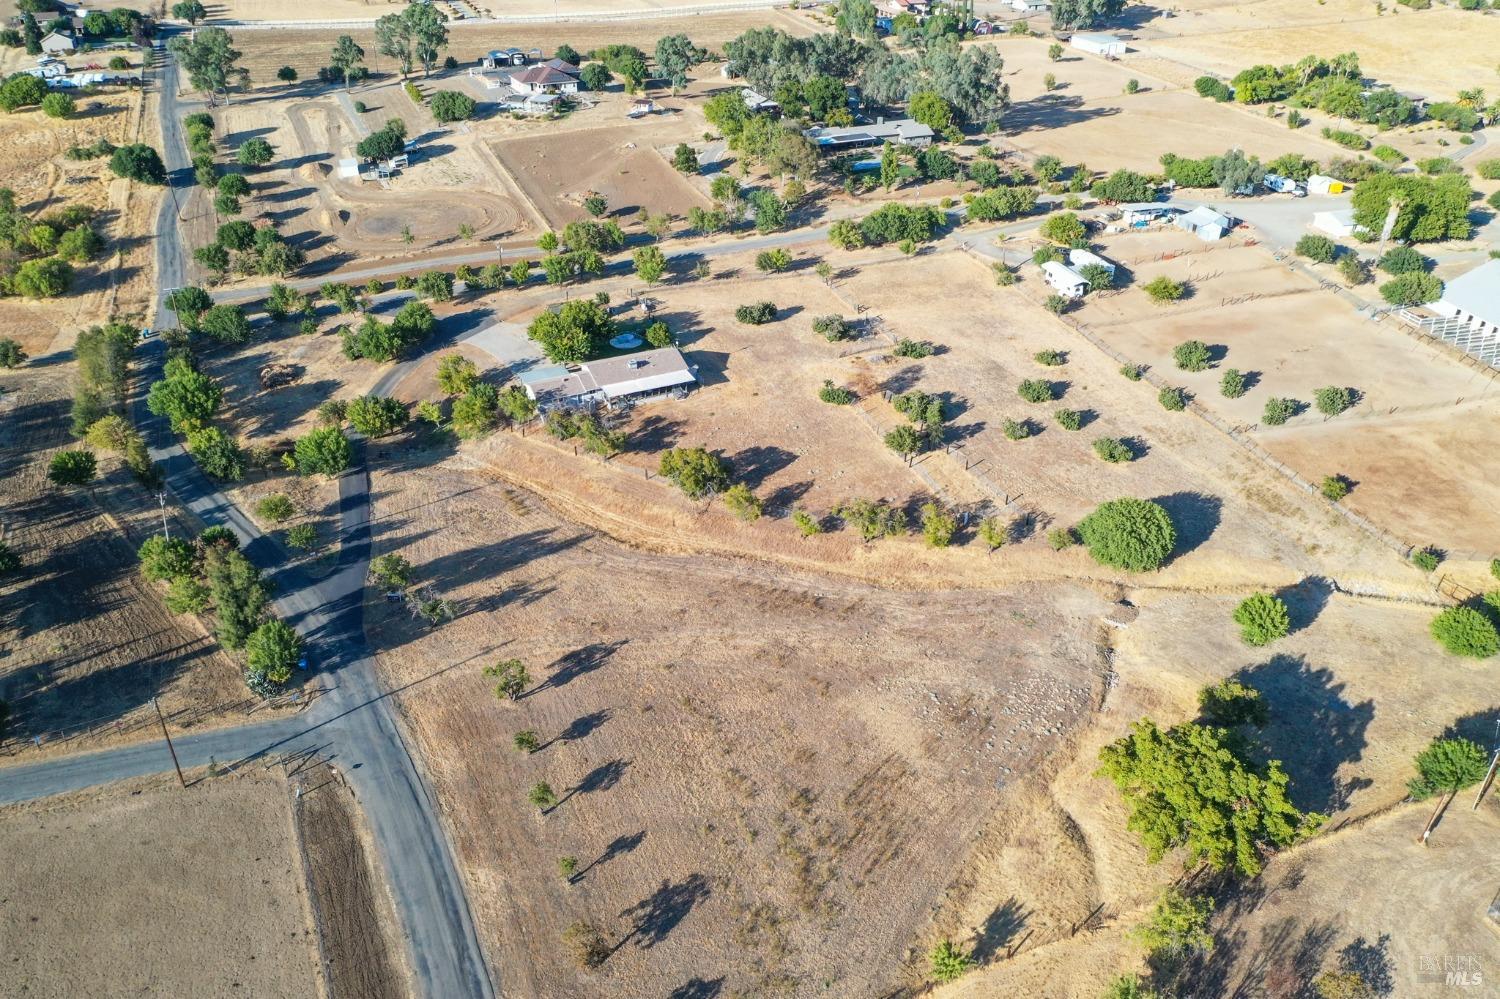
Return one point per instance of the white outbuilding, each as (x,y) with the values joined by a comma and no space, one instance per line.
(58,41)
(1320,184)
(1339,225)
(1473,298)
(1205,223)
(1068,282)
(1109,46)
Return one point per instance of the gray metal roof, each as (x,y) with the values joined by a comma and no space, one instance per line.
(1477,292)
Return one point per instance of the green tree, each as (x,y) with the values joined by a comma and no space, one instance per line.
(323,451)
(276,508)
(209,56)
(273,651)
(216,453)
(450,105)
(376,416)
(254,152)
(1464,631)
(938,525)
(949,963)
(542,796)
(45,278)
(1190,787)
(1233,384)
(929,108)
(303,537)
(685,159)
(1132,534)
(239,595)
(1262,618)
(11,354)
(72,468)
(190,11)
(1064,228)
(695,471)
(773,261)
(58,106)
(576,332)
(904,440)
(1319,249)
(1163,289)
(1177,926)
(165,558)
(1332,400)
(391,571)
(650,264)
(476,411)
(526,741)
(511,678)
(1447,766)
(1229,703)
(1191,355)
(1412,289)
(456,374)
(346,57)
(740,501)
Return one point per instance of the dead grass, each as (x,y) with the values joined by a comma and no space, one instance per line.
(837,754)
(194,892)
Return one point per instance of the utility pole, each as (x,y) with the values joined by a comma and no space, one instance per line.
(161,500)
(170,748)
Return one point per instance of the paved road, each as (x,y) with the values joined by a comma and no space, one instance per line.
(351,723)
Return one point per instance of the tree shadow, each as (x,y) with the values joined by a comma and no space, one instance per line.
(1305,600)
(1314,729)
(1000,927)
(1285,944)
(785,497)
(658,914)
(579,728)
(698,988)
(1194,515)
(618,847)
(754,465)
(578,663)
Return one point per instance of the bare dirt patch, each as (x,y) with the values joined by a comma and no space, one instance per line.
(195,892)
(1416,406)
(361,948)
(809,761)
(556,171)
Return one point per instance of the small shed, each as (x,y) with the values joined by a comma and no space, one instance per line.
(58,41)
(1068,282)
(1078,259)
(1339,225)
(1320,184)
(1031,6)
(1109,46)
(349,168)
(1206,223)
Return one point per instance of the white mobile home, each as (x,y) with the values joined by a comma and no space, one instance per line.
(1109,46)
(1078,259)
(647,373)
(1068,282)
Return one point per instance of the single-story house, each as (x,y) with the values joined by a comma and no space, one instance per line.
(1098,44)
(1079,259)
(564,67)
(543,80)
(58,41)
(758,103)
(1474,298)
(1068,282)
(1031,6)
(640,107)
(1320,184)
(902,131)
(1139,214)
(895,8)
(1339,225)
(503,57)
(1205,223)
(648,372)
